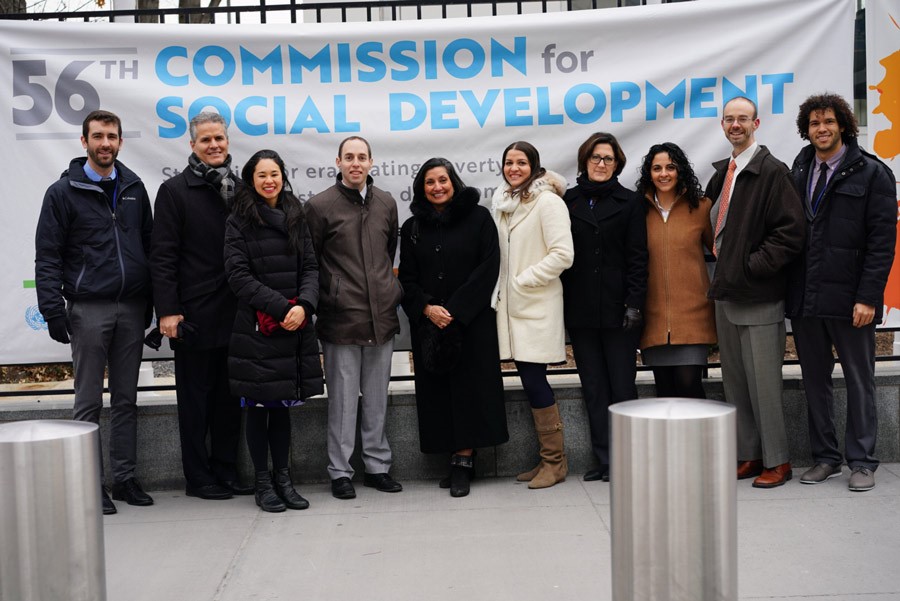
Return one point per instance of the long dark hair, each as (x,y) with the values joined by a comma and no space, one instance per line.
(534,160)
(688,186)
(248,200)
(419,181)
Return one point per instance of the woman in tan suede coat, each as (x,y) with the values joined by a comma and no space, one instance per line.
(679,319)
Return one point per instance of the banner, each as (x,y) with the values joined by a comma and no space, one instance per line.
(883,73)
(459,88)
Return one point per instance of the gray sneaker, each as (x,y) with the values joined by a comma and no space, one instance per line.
(820,473)
(862,479)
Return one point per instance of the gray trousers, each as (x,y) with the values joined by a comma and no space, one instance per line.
(109,333)
(349,371)
(752,356)
(856,351)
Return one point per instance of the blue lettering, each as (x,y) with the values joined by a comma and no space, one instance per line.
(270,62)
(570,103)
(442,105)
(480,110)
(309,116)
(210,102)
(408,61)
(419,111)
(453,68)
(321,60)
(430,59)
(228,66)
(623,95)
(340,116)
(699,95)
(279,110)
(656,97)
(777,81)
(377,68)
(513,103)
(545,117)
(162,66)
(164,111)
(241,120)
(515,57)
(729,90)
(344,73)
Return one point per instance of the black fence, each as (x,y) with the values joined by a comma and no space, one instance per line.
(316,12)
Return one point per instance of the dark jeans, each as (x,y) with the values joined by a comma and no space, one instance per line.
(856,350)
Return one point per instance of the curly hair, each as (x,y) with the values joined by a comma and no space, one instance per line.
(843,112)
(688,187)
(248,200)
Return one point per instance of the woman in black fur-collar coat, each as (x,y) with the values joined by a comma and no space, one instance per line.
(449,263)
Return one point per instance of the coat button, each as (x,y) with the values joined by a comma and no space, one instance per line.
(596,251)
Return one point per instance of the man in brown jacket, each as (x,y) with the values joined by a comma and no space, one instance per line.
(354,228)
(758,229)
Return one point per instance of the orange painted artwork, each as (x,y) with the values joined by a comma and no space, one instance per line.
(886,145)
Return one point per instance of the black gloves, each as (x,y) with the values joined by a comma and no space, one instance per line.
(148,315)
(632,319)
(59,329)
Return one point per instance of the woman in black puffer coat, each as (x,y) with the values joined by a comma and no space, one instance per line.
(273,357)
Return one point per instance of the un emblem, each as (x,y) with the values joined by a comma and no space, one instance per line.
(34,319)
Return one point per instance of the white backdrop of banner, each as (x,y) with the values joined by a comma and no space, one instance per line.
(883,73)
(459,88)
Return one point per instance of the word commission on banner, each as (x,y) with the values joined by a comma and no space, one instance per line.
(548,86)
(407,61)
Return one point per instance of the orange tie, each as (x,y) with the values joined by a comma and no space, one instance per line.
(723,203)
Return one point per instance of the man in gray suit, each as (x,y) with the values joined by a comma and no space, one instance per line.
(758,223)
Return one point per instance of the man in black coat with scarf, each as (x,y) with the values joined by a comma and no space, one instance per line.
(196,307)
(836,294)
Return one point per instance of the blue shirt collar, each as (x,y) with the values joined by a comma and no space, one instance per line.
(94,176)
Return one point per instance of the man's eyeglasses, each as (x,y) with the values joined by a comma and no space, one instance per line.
(596,159)
(741,120)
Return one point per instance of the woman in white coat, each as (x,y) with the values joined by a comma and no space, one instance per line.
(535,248)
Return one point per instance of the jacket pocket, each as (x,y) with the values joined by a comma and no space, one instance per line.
(526,302)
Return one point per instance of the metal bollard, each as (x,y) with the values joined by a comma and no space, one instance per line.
(673,500)
(51,526)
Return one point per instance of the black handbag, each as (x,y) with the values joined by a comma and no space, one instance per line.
(441,349)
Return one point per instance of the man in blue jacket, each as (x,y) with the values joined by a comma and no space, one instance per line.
(93,288)
(836,295)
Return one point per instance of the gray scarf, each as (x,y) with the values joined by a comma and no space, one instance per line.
(220,177)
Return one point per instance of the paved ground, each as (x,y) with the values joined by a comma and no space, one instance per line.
(503,542)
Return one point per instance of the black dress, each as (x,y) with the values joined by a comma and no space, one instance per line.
(452,259)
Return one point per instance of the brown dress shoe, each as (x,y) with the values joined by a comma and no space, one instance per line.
(749,469)
(775,476)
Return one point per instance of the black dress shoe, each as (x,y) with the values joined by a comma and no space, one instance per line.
(342,488)
(109,507)
(131,492)
(382,482)
(597,474)
(236,487)
(210,492)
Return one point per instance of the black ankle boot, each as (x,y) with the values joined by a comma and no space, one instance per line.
(284,488)
(461,470)
(445,481)
(265,494)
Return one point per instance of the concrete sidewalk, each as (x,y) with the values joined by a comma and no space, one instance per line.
(502,542)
